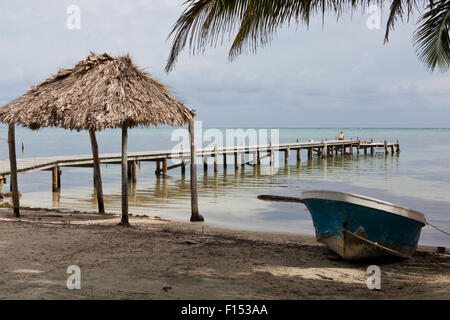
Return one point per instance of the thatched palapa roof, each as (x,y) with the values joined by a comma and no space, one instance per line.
(99,92)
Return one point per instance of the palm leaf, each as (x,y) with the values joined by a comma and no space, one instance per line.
(205,22)
(432,39)
(397,11)
(253,23)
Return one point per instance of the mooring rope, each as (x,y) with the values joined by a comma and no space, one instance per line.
(445,232)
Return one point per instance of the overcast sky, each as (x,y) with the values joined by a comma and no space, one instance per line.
(341,75)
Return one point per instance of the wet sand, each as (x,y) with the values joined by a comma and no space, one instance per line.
(156,259)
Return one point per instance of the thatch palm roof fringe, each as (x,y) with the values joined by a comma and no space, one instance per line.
(99,92)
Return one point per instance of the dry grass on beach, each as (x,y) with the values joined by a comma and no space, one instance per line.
(157,259)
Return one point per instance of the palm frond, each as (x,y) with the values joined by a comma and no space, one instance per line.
(432,38)
(205,22)
(398,10)
(253,23)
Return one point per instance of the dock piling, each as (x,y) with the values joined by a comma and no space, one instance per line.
(129,170)
(243,155)
(310,154)
(258,156)
(205,163)
(55,178)
(2,184)
(325,150)
(271,153)
(133,171)
(224,161)
(216,159)
(164,168)
(158,168)
(183,163)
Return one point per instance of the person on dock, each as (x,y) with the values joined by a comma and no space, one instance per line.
(341,136)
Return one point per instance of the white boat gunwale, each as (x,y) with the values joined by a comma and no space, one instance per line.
(366,202)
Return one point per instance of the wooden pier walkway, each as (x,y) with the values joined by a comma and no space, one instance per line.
(320,148)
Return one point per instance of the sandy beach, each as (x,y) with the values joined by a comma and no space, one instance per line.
(157,259)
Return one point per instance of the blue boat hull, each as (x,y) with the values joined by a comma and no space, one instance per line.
(359,232)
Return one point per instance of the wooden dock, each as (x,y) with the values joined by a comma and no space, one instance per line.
(321,149)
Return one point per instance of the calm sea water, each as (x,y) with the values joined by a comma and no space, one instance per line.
(418,178)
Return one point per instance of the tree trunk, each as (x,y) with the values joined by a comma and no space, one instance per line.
(124,221)
(13,165)
(195,216)
(97,174)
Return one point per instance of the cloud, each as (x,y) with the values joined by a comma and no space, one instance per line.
(324,76)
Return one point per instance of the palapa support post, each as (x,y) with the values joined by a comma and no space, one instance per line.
(124,221)
(195,216)
(97,175)
(13,165)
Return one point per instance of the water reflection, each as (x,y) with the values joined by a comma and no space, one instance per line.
(228,196)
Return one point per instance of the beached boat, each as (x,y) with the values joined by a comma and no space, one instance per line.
(357,227)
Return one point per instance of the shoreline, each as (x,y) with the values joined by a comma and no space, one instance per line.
(161,259)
